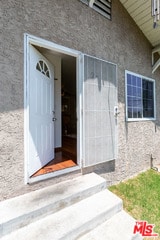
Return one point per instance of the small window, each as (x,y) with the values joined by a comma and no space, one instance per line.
(43,68)
(101,6)
(140,97)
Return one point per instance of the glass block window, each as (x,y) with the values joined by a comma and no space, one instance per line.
(43,68)
(140,97)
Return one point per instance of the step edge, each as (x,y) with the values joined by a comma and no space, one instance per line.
(44,211)
(88,225)
(47,190)
(93,232)
(103,217)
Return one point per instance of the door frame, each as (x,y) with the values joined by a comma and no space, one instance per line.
(36,41)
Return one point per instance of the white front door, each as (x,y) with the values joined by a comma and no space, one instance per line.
(41,111)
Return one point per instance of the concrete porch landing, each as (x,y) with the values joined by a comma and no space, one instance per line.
(81,208)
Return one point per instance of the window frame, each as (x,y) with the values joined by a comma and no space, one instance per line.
(126,100)
(41,69)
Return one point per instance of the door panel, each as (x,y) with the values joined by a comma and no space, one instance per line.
(100,97)
(41,106)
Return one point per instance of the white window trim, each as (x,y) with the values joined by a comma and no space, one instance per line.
(126,102)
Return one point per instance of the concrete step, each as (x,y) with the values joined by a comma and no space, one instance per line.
(118,227)
(73,221)
(20,211)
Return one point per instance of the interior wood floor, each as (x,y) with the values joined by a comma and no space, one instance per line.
(65,157)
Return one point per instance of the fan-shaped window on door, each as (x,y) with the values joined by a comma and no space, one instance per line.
(43,68)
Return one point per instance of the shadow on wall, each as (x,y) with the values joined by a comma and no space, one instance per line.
(101,168)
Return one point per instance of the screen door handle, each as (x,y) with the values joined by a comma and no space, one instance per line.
(54,119)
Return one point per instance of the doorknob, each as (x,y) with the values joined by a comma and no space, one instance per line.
(54,119)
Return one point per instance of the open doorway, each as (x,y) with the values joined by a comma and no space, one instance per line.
(64,111)
(69,114)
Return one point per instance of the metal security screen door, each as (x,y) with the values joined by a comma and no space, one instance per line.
(100,120)
(41,107)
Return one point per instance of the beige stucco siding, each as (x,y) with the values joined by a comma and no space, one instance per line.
(74,25)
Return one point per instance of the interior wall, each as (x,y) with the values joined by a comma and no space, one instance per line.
(69,123)
(69,73)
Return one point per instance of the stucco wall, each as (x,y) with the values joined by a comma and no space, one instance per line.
(72,24)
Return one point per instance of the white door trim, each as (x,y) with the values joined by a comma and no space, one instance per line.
(30,39)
